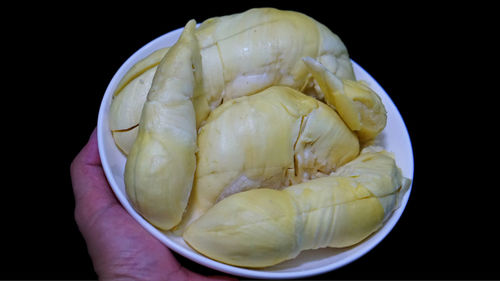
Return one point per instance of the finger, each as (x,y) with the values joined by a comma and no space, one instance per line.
(90,187)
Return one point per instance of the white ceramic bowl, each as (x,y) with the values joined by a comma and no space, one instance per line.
(394,138)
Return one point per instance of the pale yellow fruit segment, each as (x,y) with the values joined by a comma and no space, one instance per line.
(160,167)
(124,114)
(358,105)
(273,139)
(263,227)
(255,228)
(140,67)
(371,110)
(129,98)
(245,53)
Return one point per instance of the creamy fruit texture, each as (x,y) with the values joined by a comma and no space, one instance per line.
(245,138)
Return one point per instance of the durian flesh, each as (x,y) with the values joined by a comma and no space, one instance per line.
(275,138)
(255,137)
(263,227)
(129,98)
(358,105)
(160,167)
(241,54)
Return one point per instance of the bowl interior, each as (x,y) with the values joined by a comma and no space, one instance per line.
(394,138)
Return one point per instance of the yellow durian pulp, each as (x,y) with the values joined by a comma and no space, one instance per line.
(244,137)
(263,227)
(275,138)
(241,54)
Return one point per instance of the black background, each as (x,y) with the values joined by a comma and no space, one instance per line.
(61,58)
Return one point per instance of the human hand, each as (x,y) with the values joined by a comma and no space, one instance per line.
(120,248)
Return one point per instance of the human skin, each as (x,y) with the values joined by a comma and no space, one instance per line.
(119,247)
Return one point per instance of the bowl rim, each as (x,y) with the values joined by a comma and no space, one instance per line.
(363,248)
